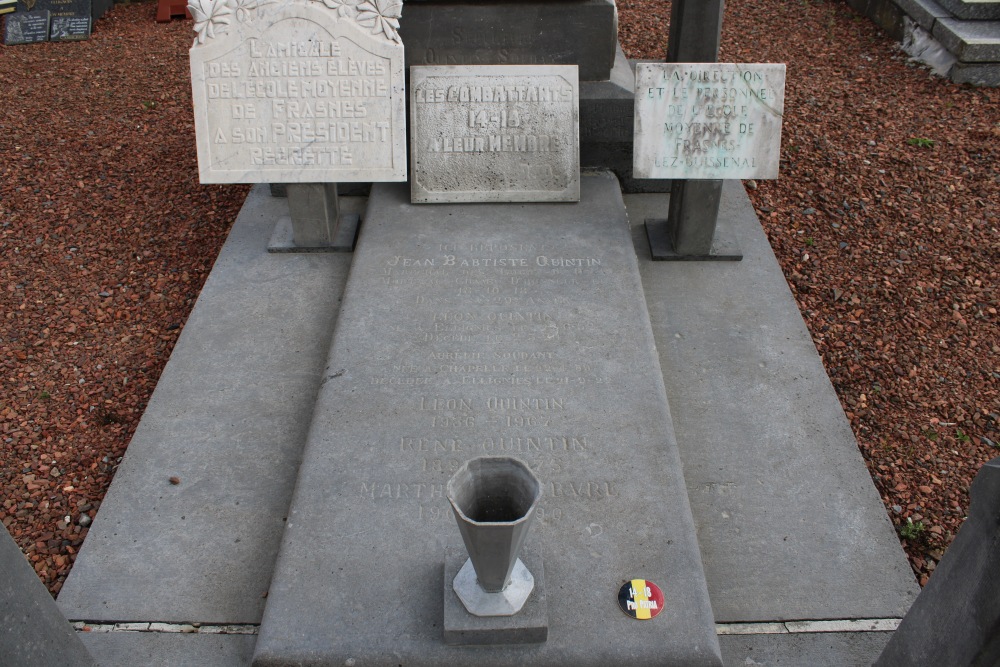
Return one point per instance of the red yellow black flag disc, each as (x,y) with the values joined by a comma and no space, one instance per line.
(640,599)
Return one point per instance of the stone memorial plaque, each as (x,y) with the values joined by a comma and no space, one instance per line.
(298,92)
(469,330)
(26,28)
(708,120)
(69,28)
(495,133)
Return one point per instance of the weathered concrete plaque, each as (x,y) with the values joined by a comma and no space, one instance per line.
(470,330)
(297,92)
(708,120)
(495,133)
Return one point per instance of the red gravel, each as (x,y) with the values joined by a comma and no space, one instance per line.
(106,238)
(890,248)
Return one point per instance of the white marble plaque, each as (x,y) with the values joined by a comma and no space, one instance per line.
(708,120)
(495,133)
(298,91)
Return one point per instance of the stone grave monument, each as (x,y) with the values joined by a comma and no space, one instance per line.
(513,328)
(300,93)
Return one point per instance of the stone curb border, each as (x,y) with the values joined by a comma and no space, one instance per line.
(761,628)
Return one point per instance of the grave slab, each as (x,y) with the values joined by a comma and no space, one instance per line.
(473,330)
(827,649)
(153,649)
(970,41)
(789,522)
(495,133)
(973,9)
(228,417)
(547,32)
(297,92)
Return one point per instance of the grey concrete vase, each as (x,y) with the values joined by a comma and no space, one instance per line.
(494,500)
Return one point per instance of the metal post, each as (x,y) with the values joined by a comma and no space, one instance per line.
(689,232)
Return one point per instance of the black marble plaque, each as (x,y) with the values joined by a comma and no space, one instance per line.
(69,28)
(26,28)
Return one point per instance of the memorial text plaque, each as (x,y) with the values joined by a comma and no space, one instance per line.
(495,133)
(708,120)
(26,28)
(297,92)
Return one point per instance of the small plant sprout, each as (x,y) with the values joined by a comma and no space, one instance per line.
(149,105)
(962,436)
(810,241)
(45,395)
(921,142)
(911,530)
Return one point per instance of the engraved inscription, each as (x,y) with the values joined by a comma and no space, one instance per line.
(495,134)
(298,95)
(708,120)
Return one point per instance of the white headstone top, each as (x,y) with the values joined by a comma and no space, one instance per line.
(708,120)
(298,91)
(495,133)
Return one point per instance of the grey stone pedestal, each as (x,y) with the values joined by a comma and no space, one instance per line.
(314,223)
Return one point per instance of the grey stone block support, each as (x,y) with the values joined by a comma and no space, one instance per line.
(686,234)
(32,630)
(547,32)
(315,222)
(956,618)
(695,33)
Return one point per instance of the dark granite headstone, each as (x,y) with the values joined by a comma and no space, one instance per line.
(69,28)
(26,28)
(65,10)
(546,32)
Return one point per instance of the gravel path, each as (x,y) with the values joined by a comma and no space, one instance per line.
(884,219)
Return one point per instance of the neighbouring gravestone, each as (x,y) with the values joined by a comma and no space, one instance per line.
(495,133)
(26,28)
(69,28)
(547,32)
(956,618)
(70,19)
(473,330)
(298,92)
(708,120)
(32,629)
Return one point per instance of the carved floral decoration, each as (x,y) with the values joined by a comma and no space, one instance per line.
(212,16)
(209,16)
(382,16)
